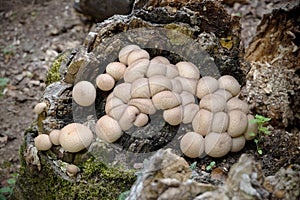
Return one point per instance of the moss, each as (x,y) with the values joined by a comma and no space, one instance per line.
(97,181)
(53,74)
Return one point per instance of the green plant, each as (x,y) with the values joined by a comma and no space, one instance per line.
(3,84)
(210,166)
(6,191)
(193,165)
(262,130)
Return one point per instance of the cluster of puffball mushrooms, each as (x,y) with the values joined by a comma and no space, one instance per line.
(220,121)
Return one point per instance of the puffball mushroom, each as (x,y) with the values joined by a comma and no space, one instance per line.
(156,68)
(108,129)
(238,143)
(220,122)
(136,55)
(213,103)
(42,142)
(125,51)
(189,112)
(202,122)
(206,85)
(75,137)
(237,104)
(84,93)
(165,100)
(54,136)
(39,108)
(72,170)
(188,70)
(122,91)
(128,117)
(251,128)
(192,145)
(159,83)
(217,144)
(116,70)
(238,122)
(140,88)
(105,82)
(230,84)
(141,120)
(144,105)
(173,116)
(136,70)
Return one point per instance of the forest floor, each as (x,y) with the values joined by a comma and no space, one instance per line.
(33,33)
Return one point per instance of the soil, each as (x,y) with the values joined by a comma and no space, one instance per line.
(35,32)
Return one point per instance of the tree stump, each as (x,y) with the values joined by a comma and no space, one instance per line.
(197,31)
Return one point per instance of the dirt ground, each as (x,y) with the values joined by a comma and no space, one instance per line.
(33,33)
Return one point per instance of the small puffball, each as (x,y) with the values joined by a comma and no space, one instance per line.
(72,170)
(118,111)
(238,143)
(186,98)
(251,128)
(189,112)
(125,51)
(116,70)
(238,122)
(105,82)
(206,85)
(192,145)
(141,120)
(213,103)
(112,103)
(171,71)
(188,70)
(159,83)
(136,70)
(54,136)
(237,104)
(144,105)
(108,129)
(173,116)
(217,144)
(84,93)
(39,108)
(42,142)
(224,94)
(220,122)
(128,117)
(122,91)
(156,68)
(166,100)
(140,88)
(230,84)
(136,55)
(202,122)
(161,59)
(188,84)
(75,137)
(176,86)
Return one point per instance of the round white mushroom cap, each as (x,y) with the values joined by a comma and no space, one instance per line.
(75,137)
(39,108)
(238,122)
(217,144)
(230,84)
(125,51)
(206,85)
(238,143)
(192,145)
(108,129)
(105,82)
(42,142)
(116,70)
(84,93)
(54,136)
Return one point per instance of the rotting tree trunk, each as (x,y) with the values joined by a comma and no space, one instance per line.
(197,31)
